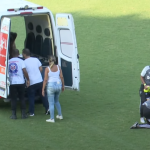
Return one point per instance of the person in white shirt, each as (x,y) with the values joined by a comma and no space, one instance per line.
(17,71)
(34,69)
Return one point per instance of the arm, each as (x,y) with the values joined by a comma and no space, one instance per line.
(145,86)
(45,80)
(62,79)
(26,76)
(25,73)
(39,65)
(142,79)
(40,68)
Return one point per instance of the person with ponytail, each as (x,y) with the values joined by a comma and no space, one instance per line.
(55,84)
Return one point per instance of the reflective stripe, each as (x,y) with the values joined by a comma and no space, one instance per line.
(67,43)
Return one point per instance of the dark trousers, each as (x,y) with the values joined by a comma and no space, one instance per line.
(15,91)
(143,96)
(32,90)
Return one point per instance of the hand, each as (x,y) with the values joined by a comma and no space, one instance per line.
(28,83)
(146,87)
(63,88)
(43,93)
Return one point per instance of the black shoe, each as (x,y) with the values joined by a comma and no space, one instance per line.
(47,112)
(135,126)
(23,114)
(13,116)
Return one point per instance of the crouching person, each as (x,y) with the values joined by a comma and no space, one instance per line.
(145,110)
(17,71)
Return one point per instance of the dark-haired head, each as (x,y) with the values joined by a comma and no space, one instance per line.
(26,53)
(15,53)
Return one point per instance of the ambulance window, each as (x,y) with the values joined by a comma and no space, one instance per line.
(66,42)
(38,29)
(47,32)
(30,26)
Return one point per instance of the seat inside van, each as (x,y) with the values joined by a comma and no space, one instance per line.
(39,37)
(47,47)
(37,34)
(38,45)
(30,41)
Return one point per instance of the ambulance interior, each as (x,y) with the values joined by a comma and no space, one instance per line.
(38,37)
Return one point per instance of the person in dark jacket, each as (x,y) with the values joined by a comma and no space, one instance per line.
(145,110)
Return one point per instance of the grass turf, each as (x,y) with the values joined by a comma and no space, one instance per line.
(113,44)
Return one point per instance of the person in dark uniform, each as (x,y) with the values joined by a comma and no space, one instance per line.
(145,111)
(144,89)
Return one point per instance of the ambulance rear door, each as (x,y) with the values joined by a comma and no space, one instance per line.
(67,51)
(4,46)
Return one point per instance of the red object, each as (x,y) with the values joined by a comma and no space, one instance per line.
(3,47)
(41,7)
(2,61)
(10,9)
(23,13)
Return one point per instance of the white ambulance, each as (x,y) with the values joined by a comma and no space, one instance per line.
(44,37)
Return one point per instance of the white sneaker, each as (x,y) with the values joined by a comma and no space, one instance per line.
(50,120)
(142,120)
(59,117)
(31,115)
(6,100)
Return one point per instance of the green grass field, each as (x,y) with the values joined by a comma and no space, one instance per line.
(114,45)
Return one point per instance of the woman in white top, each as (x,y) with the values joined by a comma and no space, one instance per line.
(55,83)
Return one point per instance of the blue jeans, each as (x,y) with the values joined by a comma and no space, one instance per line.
(53,92)
(32,90)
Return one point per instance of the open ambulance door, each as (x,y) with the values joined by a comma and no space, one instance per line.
(4,46)
(68,57)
